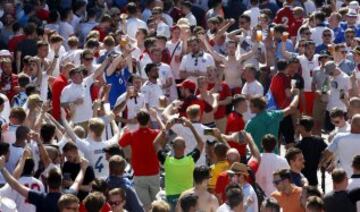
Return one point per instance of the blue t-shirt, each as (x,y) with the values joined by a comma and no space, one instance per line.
(118,81)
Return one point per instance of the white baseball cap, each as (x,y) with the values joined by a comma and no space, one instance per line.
(5,53)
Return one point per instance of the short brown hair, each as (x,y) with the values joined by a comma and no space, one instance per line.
(117,191)
(66,200)
(18,113)
(258,102)
(356,162)
(109,41)
(315,204)
(96,125)
(94,201)
(56,38)
(338,175)
(42,43)
(117,165)
(193,111)
(291,154)
(73,42)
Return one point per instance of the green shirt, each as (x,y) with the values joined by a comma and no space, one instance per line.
(178,174)
(266,122)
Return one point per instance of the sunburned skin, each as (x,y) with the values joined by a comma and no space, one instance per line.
(207,202)
(233,72)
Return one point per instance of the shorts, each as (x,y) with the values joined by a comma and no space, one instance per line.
(286,130)
(147,187)
(309,101)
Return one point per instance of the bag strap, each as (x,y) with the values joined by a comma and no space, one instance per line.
(173,53)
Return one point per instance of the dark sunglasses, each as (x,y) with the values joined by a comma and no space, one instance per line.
(88,58)
(327,35)
(277,182)
(114,203)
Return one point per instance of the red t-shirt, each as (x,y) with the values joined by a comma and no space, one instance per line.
(105,208)
(58,85)
(13,42)
(235,123)
(192,100)
(279,83)
(101,32)
(144,159)
(224,179)
(285,16)
(224,93)
(294,27)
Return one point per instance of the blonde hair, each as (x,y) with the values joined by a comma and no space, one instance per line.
(96,125)
(33,100)
(160,206)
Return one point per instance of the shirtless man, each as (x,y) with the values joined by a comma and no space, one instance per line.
(210,101)
(207,202)
(233,65)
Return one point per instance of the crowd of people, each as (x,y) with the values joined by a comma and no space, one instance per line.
(178,105)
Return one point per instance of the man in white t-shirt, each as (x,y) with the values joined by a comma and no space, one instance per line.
(339,87)
(133,23)
(344,147)
(253,12)
(251,88)
(133,100)
(175,46)
(186,10)
(195,63)
(77,96)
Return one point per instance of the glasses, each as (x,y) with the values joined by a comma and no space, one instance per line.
(307,33)
(327,35)
(88,58)
(277,182)
(114,203)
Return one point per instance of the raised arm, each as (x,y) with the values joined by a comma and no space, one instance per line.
(80,177)
(217,56)
(254,150)
(101,68)
(287,55)
(198,139)
(223,29)
(20,166)
(14,184)
(67,127)
(44,155)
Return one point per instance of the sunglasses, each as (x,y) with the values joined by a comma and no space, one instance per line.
(327,35)
(114,203)
(88,58)
(277,182)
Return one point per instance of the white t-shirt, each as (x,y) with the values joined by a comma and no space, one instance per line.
(73,55)
(6,111)
(165,73)
(143,62)
(15,155)
(132,26)
(254,14)
(353,183)
(83,112)
(163,30)
(316,34)
(270,162)
(10,135)
(246,45)
(251,89)
(188,136)
(65,30)
(191,18)
(152,93)
(345,146)
(190,63)
(93,151)
(21,203)
(173,64)
(133,107)
(308,67)
(51,56)
(44,86)
(337,83)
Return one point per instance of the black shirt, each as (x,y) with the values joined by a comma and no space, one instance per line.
(73,169)
(338,201)
(44,202)
(296,178)
(195,154)
(27,47)
(299,81)
(311,147)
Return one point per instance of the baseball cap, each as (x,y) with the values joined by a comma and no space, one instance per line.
(329,67)
(324,53)
(239,168)
(189,84)
(356,50)
(5,53)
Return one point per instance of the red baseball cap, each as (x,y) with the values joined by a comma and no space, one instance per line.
(189,84)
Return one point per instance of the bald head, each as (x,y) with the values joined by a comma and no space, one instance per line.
(179,142)
(354,107)
(233,155)
(355,124)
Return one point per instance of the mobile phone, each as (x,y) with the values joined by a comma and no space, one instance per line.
(208,132)
(178,121)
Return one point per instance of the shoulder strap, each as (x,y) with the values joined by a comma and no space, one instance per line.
(173,53)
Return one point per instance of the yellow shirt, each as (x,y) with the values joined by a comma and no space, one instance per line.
(215,171)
